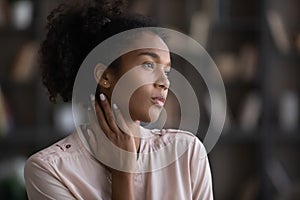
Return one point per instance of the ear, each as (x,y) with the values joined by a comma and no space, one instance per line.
(98,71)
(101,76)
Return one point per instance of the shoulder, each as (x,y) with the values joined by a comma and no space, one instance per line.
(176,134)
(196,146)
(178,137)
(69,146)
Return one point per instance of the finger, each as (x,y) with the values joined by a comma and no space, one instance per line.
(125,129)
(108,114)
(91,111)
(120,120)
(100,116)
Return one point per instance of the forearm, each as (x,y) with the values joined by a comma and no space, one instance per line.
(122,186)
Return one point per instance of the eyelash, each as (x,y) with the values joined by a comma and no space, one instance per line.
(152,65)
(147,63)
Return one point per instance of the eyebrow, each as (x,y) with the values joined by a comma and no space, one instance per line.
(151,54)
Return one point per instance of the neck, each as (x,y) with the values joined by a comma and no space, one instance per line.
(134,127)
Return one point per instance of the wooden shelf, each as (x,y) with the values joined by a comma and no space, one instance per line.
(239,136)
(29,137)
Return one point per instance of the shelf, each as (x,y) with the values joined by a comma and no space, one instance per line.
(29,138)
(242,85)
(239,136)
(287,57)
(9,84)
(228,37)
(239,155)
(237,25)
(9,32)
(286,137)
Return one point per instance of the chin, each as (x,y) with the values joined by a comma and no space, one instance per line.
(153,114)
(149,117)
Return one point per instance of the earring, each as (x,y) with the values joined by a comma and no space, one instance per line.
(106,84)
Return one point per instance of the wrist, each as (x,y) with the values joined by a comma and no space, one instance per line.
(122,185)
(121,175)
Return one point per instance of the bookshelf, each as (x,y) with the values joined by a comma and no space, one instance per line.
(272,145)
(23,94)
(260,69)
(26,117)
(282,62)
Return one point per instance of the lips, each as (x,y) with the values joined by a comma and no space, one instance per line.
(160,100)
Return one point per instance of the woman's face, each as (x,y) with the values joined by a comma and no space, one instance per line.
(146,71)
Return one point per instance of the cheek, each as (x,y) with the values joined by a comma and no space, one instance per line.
(141,96)
(140,103)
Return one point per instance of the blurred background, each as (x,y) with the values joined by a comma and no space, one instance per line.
(256,46)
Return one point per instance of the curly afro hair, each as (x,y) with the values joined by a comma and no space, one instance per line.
(72,32)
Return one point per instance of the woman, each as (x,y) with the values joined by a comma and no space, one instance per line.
(69,169)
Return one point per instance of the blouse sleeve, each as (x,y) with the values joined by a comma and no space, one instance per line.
(41,182)
(201,174)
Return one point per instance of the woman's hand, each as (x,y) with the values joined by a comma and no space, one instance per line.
(124,140)
(122,182)
(108,140)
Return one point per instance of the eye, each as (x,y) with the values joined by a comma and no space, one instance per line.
(167,73)
(148,65)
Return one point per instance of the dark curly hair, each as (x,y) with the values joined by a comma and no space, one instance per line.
(72,32)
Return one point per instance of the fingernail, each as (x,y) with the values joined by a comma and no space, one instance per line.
(115,106)
(102,97)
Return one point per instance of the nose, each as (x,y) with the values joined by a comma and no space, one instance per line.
(162,80)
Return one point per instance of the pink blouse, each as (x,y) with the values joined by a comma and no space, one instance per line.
(69,170)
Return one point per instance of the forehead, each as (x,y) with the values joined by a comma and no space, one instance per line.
(158,50)
(147,39)
(156,55)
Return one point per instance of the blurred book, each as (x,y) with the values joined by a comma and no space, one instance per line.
(200,27)
(297,42)
(278,31)
(278,176)
(222,11)
(227,65)
(250,189)
(25,65)
(63,118)
(5,116)
(241,66)
(4,12)
(250,112)
(289,111)
(219,107)
(22,11)
(248,61)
